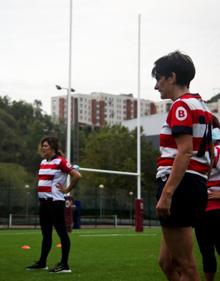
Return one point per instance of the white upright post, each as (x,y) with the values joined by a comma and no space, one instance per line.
(139,112)
(139,201)
(68,141)
(68,209)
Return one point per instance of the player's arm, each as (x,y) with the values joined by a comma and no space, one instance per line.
(212,158)
(212,193)
(180,164)
(74,178)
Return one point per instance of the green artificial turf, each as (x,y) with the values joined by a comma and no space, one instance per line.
(96,255)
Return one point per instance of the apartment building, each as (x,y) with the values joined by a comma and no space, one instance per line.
(163,106)
(99,109)
(214,106)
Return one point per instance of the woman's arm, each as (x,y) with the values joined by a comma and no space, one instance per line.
(75,177)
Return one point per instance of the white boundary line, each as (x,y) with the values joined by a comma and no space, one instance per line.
(116,235)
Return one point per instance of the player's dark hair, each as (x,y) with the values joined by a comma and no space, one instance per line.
(175,62)
(54,144)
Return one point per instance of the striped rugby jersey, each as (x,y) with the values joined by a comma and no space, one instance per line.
(214,180)
(187,115)
(51,173)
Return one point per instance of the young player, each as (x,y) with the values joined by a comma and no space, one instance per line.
(185,142)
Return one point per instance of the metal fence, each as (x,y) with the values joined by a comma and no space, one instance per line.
(14,221)
(97,207)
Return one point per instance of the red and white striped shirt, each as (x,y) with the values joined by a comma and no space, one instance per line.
(188,115)
(214,180)
(51,173)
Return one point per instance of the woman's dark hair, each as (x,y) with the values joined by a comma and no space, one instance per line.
(54,144)
(178,63)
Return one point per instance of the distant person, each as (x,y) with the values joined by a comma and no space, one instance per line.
(182,168)
(53,172)
(208,231)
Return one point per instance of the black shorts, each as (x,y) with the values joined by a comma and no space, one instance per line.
(188,201)
(208,237)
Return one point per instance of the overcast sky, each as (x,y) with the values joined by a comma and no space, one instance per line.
(34,45)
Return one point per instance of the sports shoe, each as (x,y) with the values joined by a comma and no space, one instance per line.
(37,265)
(60,268)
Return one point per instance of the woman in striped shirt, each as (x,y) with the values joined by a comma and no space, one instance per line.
(51,188)
(182,167)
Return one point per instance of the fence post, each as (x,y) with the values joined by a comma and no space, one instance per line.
(116,220)
(10,221)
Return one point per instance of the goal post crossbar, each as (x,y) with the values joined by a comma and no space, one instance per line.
(109,171)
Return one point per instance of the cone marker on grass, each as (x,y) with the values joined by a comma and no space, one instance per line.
(26,247)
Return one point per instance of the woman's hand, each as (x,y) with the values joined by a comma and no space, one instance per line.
(163,205)
(61,188)
(213,194)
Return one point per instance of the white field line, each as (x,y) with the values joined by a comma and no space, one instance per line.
(18,233)
(116,235)
(86,235)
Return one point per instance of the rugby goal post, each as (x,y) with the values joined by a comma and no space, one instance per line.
(138,201)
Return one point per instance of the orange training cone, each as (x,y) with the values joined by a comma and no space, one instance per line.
(59,245)
(26,247)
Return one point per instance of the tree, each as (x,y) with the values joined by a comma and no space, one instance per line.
(22,126)
(10,143)
(115,148)
(13,179)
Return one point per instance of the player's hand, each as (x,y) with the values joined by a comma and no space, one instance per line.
(61,188)
(213,194)
(163,205)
